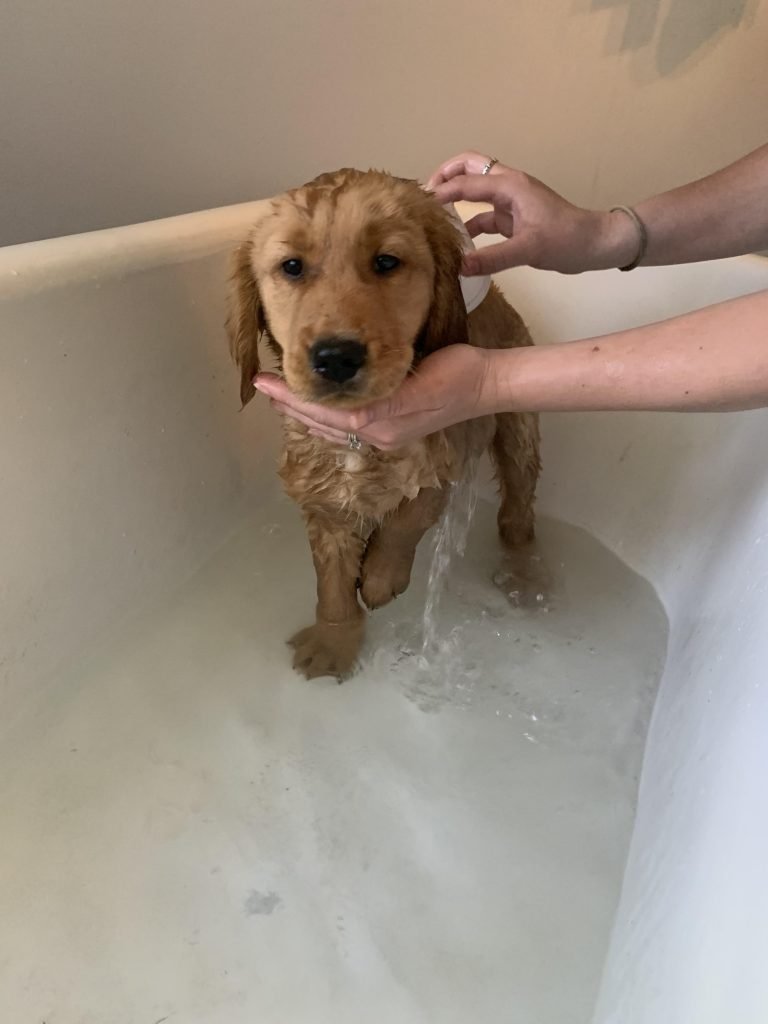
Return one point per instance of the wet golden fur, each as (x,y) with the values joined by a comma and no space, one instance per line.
(366,512)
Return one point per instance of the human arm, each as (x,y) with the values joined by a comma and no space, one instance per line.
(714,360)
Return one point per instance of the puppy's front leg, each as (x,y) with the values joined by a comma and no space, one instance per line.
(331,647)
(389,556)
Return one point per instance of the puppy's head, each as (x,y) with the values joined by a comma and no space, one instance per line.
(352,278)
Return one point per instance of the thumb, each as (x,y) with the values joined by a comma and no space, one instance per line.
(384,409)
(492,258)
(412,396)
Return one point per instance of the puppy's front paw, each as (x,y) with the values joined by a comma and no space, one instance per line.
(327,649)
(385,576)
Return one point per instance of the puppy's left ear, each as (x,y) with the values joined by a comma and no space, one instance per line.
(447,323)
(245,322)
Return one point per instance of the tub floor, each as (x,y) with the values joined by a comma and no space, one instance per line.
(191,833)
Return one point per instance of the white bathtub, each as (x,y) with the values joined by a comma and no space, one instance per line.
(189,832)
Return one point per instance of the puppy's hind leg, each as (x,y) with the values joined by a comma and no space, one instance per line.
(515,452)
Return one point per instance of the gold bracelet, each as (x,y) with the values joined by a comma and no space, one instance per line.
(641,232)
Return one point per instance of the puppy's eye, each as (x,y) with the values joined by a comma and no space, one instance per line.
(293,268)
(385,264)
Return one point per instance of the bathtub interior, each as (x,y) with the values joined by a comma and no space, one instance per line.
(194,831)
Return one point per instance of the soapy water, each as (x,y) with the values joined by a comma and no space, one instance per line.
(461,638)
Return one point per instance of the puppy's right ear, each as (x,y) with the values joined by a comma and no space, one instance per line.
(245,322)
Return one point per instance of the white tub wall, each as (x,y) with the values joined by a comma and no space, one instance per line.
(124,462)
(691,943)
(684,499)
(123,112)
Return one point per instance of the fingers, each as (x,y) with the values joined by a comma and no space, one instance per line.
(333,436)
(332,433)
(381,425)
(450,168)
(383,438)
(482,224)
(469,162)
(334,425)
(476,188)
(493,258)
(306,412)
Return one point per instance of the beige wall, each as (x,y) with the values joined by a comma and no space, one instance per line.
(114,112)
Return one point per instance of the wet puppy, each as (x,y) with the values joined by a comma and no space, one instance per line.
(352,280)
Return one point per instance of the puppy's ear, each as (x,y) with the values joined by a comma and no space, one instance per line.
(245,322)
(447,323)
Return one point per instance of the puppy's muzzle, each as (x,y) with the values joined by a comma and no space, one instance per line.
(337,358)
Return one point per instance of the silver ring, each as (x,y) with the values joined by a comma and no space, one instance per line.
(354,443)
(487,167)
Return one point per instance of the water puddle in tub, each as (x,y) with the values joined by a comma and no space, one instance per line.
(441,838)
(585,659)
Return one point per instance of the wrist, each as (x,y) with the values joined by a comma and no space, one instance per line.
(614,240)
(539,378)
(502,381)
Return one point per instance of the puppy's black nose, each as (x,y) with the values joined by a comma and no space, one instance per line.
(336,358)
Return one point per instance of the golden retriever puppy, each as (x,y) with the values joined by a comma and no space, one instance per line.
(352,280)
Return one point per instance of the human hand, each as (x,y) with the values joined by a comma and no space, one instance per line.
(450,386)
(541,229)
